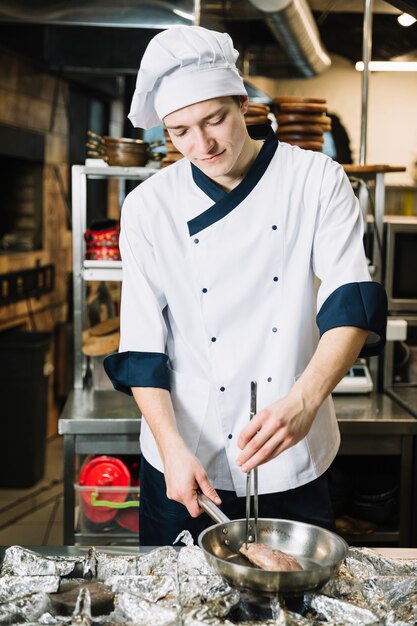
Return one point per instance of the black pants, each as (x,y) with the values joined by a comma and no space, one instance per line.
(161,520)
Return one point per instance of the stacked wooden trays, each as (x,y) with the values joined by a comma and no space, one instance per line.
(302,121)
(257,113)
(102,338)
(172,153)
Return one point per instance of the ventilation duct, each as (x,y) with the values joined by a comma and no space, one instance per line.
(292,24)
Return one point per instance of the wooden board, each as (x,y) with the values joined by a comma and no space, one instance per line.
(283,99)
(302,107)
(372,169)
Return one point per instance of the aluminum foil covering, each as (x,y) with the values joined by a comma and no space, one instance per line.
(282,616)
(210,591)
(47,618)
(167,587)
(338,611)
(81,615)
(19,561)
(162,589)
(401,598)
(17,586)
(143,613)
(159,562)
(24,609)
(361,591)
(369,589)
(90,564)
(185,537)
(372,561)
(82,612)
(192,562)
(201,616)
(199,584)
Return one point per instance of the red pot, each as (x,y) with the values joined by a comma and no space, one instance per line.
(111,478)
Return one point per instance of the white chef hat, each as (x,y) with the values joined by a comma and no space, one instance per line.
(181,66)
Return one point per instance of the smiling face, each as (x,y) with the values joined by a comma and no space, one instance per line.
(212,134)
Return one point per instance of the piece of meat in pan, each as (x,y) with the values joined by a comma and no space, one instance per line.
(269,558)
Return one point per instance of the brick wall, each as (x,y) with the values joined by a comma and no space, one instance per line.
(34,100)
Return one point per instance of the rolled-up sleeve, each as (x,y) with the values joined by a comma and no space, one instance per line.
(142,360)
(347,296)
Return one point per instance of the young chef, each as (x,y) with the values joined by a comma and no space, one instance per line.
(242,261)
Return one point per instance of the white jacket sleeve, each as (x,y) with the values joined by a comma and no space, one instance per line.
(347,296)
(142,359)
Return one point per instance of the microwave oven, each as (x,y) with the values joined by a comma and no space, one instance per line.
(400,275)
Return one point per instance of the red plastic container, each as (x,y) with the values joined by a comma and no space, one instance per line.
(106,473)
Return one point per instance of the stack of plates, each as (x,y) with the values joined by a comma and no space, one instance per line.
(302,121)
(172,154)
(257,114)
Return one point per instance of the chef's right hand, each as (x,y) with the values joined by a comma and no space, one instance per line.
(184,476)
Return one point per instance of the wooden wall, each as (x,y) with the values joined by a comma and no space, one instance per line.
(34,100)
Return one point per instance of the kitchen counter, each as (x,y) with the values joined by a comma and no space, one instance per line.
(99,412)
(108,412)
(374,413)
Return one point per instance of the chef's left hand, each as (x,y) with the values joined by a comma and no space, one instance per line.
(273,430)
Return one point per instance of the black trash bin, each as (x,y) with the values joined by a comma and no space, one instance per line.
(24,370)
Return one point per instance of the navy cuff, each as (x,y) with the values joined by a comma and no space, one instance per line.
(137,369)
(363,305)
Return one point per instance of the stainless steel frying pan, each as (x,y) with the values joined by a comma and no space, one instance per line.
(318,551)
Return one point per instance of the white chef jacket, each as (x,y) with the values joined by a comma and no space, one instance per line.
(223,288)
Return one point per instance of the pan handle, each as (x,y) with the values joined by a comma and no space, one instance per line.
(211,509)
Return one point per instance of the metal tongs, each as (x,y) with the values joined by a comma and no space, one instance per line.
(254,538)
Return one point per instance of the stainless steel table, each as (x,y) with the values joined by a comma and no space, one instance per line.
(108,422)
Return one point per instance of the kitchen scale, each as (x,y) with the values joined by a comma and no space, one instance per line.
(357,380)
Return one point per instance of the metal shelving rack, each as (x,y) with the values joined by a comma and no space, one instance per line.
(91,270)
(93,422)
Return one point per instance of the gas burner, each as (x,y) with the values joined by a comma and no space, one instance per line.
(253,607)
(247,612)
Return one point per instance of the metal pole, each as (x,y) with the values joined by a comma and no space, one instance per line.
(366,57)
(197,13)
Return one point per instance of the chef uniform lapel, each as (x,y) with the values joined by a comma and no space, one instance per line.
(225,202)
(219,237)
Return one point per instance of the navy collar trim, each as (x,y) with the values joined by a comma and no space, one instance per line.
(225,201)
